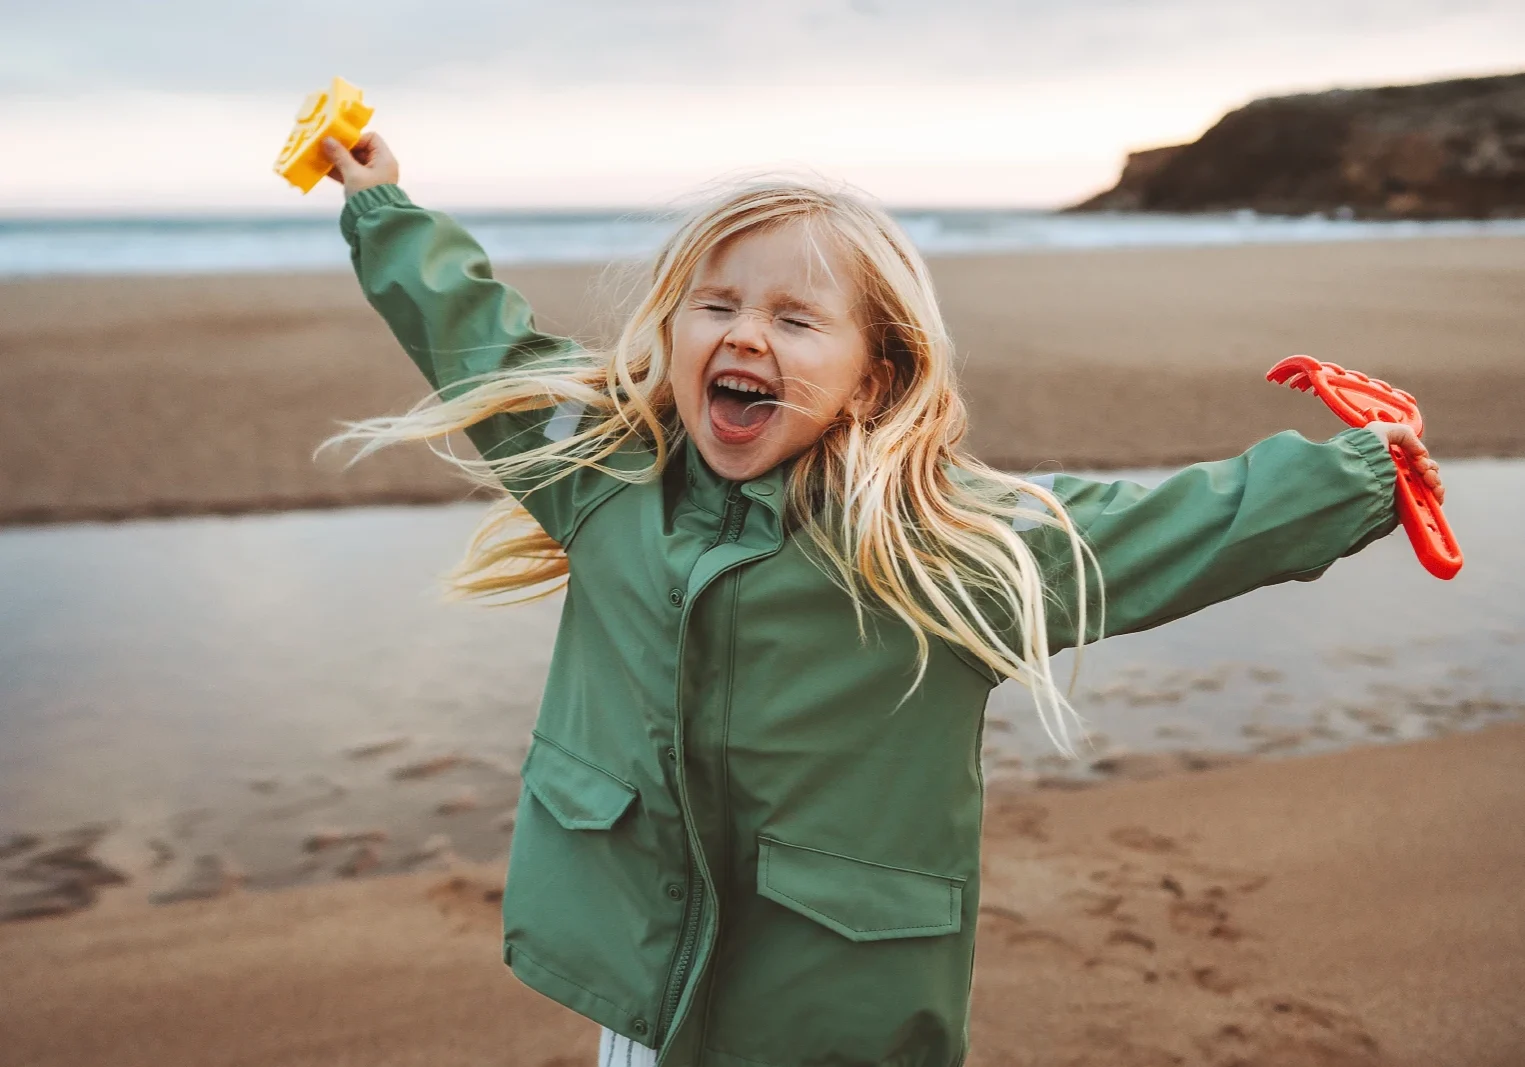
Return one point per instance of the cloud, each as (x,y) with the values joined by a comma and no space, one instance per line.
(64,46)
(603,102)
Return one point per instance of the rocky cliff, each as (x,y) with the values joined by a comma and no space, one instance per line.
(1452,149)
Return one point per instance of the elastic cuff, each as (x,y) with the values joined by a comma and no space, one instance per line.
(364,201)
(1373,449)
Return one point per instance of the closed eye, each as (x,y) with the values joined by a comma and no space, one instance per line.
(798,323)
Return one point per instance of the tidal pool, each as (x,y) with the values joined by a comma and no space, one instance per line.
(204,682)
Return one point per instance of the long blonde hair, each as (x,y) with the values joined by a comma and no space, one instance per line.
(898,515)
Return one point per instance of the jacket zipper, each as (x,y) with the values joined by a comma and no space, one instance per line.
(730,530)
(730,523)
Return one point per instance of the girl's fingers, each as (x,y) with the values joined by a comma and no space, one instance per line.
(1411,444)
(339,156)
(1430,471)
(1416,453)
(375,148)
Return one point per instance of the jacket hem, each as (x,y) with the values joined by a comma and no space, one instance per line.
(569,994)
(713,1058)
(710,1057)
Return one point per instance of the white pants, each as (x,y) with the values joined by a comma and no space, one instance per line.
(617,1051)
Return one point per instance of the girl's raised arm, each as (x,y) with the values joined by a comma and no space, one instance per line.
(433,285)
(1284,510)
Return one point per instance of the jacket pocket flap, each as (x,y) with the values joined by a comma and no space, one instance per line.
(860,900)
(579,795)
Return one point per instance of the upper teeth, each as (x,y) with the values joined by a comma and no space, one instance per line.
(741,385)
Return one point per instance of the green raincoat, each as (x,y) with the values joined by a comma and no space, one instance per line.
(731,845)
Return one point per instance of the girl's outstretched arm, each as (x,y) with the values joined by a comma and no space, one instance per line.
(433,285)
(1284,510)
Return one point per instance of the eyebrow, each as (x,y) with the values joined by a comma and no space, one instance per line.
(778,300)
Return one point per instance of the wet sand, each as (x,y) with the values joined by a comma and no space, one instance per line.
(148,396)
(1359,908)
(283,698)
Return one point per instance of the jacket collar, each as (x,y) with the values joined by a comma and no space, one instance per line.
(709,490)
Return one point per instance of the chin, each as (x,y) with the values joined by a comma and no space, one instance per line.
(738,463)
(735,464)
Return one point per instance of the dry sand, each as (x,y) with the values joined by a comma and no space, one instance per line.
(1361,908)
(132,396)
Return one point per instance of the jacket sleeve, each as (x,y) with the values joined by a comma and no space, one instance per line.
(1285,510)
(433,285)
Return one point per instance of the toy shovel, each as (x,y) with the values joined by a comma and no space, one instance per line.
(1358,400)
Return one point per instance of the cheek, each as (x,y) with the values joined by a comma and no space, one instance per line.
(689,353)
(835,375)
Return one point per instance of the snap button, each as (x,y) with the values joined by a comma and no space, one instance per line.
(762,490)
(675,597)
(675,892)
(639,1026)
(672,754)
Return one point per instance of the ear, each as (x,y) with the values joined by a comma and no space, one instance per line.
(872,388)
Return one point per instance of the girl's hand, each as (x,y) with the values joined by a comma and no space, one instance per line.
(1396,433)
(369,163)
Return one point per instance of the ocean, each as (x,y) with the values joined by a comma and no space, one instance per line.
(35,247)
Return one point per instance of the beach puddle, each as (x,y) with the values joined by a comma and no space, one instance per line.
(192,706)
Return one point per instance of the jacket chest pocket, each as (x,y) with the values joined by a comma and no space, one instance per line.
(860,900)
(578,795)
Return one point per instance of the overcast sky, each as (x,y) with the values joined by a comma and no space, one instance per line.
(181,105)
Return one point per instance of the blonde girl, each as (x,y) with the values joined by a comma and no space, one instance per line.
(750,827)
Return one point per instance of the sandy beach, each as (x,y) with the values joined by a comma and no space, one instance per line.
(149,396)
(1350,910)
(1189,907)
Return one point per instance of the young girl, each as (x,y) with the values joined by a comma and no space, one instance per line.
(750,828)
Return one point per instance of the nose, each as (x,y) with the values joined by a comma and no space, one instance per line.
(746,335)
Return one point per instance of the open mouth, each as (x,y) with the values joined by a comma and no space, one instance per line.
(740,406)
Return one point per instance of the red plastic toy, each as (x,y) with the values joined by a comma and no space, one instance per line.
(1358,400)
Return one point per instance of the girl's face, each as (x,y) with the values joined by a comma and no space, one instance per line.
(769,316)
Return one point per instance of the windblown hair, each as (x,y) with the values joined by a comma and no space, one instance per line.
(898,514)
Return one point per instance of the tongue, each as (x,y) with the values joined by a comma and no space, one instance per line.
(738,409)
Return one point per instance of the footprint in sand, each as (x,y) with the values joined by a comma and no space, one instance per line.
(1022,819)
(1101,905)
(1287,1030)
(1213,979)
(468,903)
(1142,840)
(997,913)
(1127,970)
(1140,909)
(1203,918)
(1133,938)
(1012,927)
(1045,943)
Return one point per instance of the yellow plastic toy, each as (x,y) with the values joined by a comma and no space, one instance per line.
(337,112)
